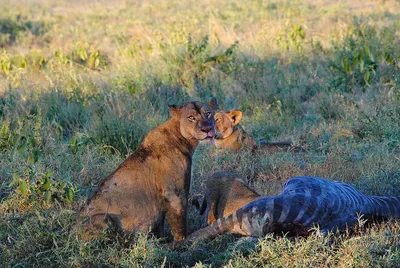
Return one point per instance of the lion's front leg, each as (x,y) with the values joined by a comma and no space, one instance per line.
(177,215)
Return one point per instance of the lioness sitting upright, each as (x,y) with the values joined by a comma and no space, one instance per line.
(154,181)
(224,193)
(230,135)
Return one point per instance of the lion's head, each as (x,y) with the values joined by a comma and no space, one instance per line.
(225,121)
(196,119)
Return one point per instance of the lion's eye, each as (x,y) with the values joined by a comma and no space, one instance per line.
(208,114)
(191,118)
(217,119)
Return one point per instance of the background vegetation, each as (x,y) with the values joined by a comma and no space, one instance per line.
(82,82)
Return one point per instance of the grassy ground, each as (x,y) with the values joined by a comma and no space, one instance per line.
(81,83)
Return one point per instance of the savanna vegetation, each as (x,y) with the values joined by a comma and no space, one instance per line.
(82,82)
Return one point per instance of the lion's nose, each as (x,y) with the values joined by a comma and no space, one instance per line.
(206,129)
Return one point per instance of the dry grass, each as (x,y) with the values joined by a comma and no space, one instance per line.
(81,83)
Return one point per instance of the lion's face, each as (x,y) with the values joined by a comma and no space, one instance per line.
(225,122)
(196,119)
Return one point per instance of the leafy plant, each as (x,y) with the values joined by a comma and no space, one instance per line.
(43,187)
(29,182)
(196,61)
(358,56)
(77,140)
(63,59)
(293,38)
(93,59)
(5,137)
(5,63)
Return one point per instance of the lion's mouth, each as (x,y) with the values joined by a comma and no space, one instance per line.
(210,136)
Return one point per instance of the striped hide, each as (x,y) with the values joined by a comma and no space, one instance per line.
(304,201)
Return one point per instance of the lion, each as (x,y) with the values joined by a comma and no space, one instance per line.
(230,135)
(304,203)
(224,193)
(154,181)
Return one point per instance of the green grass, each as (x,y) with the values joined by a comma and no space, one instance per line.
(82,83)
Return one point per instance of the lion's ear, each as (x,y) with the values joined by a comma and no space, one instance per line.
(173,110)
(235,116)
(213,103)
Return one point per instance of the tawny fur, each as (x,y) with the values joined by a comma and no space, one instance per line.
(224,193)
(230,135)
(154,181)
(304,202)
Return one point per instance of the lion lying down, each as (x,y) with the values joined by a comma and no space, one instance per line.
(154,181)
(230,135)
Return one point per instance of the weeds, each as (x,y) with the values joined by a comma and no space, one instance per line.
(359,56)
(80,86)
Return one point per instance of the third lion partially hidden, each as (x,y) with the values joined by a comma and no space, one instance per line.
(224,193)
